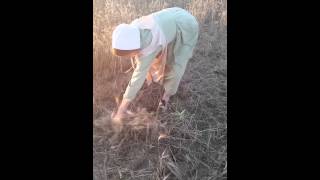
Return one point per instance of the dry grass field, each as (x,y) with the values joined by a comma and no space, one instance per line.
(189,141)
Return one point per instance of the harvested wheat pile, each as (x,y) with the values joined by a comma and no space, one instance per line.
(137,141)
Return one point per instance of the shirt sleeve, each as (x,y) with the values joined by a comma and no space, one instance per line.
(139,75)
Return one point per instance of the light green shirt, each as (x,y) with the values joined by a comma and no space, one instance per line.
(180,30)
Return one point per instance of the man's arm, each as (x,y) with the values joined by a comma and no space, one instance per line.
(138,77)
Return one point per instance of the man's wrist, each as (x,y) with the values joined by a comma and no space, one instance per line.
(121,110)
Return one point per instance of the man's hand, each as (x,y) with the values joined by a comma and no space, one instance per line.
(118,116)
(116,119)
(121,112)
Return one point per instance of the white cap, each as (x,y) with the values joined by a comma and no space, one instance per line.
(126,37)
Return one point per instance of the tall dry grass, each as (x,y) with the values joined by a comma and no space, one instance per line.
(188,142)
(211,15)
